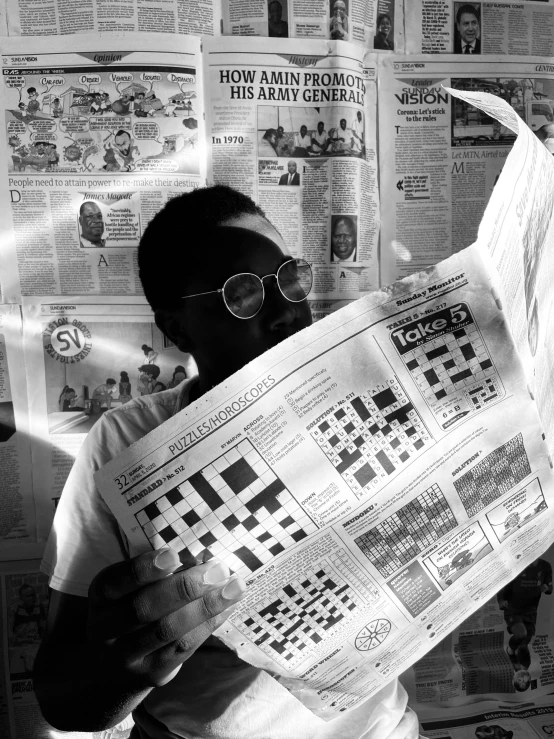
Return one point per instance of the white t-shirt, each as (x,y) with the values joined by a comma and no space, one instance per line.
(215,695)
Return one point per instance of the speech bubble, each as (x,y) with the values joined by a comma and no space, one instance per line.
(110,124)
(42,125)
(156,165)
(16,81)
(180,78)
(90,79)
(151,77)
(121,77)
(146,130)
(74,123)
(44,137)
(16,127)
(52,81)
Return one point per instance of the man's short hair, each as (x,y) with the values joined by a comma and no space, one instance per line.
(150,369)
(467,8)
(122,131)
(88,202)
(175,243)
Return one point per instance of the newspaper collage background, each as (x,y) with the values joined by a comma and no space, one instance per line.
(388,156)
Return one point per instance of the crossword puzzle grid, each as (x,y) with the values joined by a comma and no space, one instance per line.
(291,622)
(450,362)
(497,473)
(235,509)
(368,437)
(408,532)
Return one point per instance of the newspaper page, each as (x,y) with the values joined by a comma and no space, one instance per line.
(375,24)
(445,155)
(458,27)
(504,651)
(418,387)
(490,720)
(96,142)
(292,124)
(59,17)
(17,515)
(74,348)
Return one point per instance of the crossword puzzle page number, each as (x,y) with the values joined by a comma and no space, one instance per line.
(449,362)
(368,437)
(235,509)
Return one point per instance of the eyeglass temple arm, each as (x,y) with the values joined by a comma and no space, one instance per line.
(197,295)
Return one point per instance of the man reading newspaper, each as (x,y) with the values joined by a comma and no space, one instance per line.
(134,634)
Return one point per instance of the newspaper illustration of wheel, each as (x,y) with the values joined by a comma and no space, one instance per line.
(372,635)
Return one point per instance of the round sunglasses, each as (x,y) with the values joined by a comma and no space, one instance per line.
(244,294)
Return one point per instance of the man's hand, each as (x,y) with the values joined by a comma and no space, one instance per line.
(147,619)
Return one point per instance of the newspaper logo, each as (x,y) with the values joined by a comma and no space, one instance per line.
(429,327)
(66,341)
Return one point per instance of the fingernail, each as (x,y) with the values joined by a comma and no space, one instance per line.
(234,589)
(217,573)
(167,559)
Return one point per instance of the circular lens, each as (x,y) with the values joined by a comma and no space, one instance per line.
(295,280)
(243,295)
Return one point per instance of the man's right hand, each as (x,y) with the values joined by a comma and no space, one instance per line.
(146,618)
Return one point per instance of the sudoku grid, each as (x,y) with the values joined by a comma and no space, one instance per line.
(235,509)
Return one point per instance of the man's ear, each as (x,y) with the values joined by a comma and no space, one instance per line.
(171,325)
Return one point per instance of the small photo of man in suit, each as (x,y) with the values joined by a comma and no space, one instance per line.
(467,30)
(292,178)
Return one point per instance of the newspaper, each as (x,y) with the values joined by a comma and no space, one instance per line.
(383,474)
(97,141)
(73,347)
(375,24)
(502,27)
(294,127)
(447,154)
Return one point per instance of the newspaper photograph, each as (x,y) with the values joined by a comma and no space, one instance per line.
(58,18)
(478,27)
(375,24)
(447,153)
(85,356)
(284,472)
(96,142)
(296,132)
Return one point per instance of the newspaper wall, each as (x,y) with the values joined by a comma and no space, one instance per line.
(297,132)
(58,17)
(375,24)
(73,347)
(445,155)
(504,27)
(96,141)
(387,473)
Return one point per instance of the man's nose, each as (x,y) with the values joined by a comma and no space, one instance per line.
(280,312)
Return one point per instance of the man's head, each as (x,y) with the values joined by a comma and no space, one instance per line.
(150,371)
(228,234)
(359,116)
(339,9)
(271,136)
(291,166)
(91,221)
(522,680)
(468,23)
(275,11)
(110,381)
(320,126)
(343,238)
(303,131)
(122,141)
(343,123)
(32,92)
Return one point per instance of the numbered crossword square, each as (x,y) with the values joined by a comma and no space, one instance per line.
(370,436)
(235,509)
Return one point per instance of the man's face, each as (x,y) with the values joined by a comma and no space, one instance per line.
(123,142)
(522,680)
(343,242)
(320,127)
(275,12)
(92,222)
(303,131)
(343,123)
(291,166)
(221,343)
(468,28)
(359,115)
(339,10)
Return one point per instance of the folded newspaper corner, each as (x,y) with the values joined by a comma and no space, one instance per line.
(375,478)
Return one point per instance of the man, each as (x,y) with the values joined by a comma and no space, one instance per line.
(341,141)
(468,25)
(267,146)
(91,223)
(320,139)
(519,600)
(123,145)
(141,639)
(358,133)
(302,142)
(292,178)
(338,26)
(343,240)
(277,28)
(33,106)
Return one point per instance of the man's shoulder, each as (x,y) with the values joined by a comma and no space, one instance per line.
(147,411)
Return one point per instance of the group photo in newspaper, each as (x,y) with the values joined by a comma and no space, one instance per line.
(276,369)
